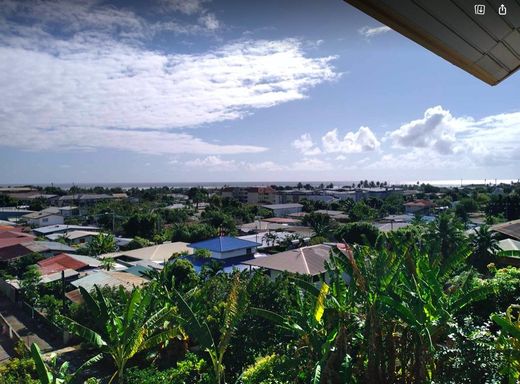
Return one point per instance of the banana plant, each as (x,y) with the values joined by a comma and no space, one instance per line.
(509,341)
(51,373)
(426,299)
(315,339)
(235,308)
(122,336)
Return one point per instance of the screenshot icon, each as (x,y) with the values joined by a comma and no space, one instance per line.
(480,9)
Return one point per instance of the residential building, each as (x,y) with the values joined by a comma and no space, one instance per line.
(251,195)
(158,254)
(282,210)
(47,216)
(62,228)
(75,237)
(227,247)
(60,263)
(510,229)
(297,195)
(16,250)
(109,279)
(69,211)
(419,206)
(309,261)
(334,215)
(13,213)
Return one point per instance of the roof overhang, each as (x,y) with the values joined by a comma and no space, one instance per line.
(486,46)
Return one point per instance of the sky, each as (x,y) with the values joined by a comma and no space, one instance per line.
(201,90)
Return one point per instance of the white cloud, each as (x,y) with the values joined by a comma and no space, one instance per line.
(363,140)
(209,21)
(311,164)
(187,7)
(437,130)
(441,140)
(212,162)
(92,87)
(369,32)
(305,145)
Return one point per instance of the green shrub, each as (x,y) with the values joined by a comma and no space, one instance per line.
(265,370)
(191,370)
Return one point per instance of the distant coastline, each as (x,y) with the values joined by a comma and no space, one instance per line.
(128,185)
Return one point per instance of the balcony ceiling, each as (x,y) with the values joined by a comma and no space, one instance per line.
(487,46)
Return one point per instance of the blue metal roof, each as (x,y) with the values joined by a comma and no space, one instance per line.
(224,244)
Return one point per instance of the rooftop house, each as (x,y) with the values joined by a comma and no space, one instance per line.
(60,263)
(11,252)
(309,261)
(75,237)
(227,247)
(251,195)
(47,216)
(62,228)
(158,254)
(282,210)
(419,206)
(510,229)
(296,195)
(109,279)
(13,213)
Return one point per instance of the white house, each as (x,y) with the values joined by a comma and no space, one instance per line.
(47,216)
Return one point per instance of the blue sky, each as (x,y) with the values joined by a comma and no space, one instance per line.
(194,90)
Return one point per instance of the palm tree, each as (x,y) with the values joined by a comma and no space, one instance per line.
(447,241)
(319,223)
(485,248)
(235,308)
(121,336)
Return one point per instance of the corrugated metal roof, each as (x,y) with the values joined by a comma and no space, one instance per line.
(306,261)
(60,262)
(157,253)
(110,279)
(224,244)
(511,229)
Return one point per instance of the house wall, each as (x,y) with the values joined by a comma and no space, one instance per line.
(47,220)
(280,212)
(236,253)
(81,240)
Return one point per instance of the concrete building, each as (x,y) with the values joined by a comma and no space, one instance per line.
(419,206)
(47,216)
(282,210)
(251,195)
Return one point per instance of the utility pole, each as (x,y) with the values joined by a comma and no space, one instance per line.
(64,307)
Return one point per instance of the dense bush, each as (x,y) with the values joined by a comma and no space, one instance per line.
(191,370)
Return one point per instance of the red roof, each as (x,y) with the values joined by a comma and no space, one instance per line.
(420,202)
(13,234)
(60,263)
(13,252)
(4,243)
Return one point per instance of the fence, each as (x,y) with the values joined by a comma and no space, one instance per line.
(9,331)
(8,290)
